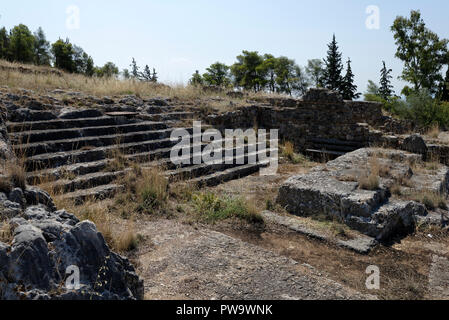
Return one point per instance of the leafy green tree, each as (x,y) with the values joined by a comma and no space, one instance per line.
(269,70)
(22,44)
(63,55)
(79,58)
(4,44)
(385,89)
(109,70)
(197,79)
(349,89)
(422,52)
(332,75)
(89,65)
(217,75)
(372,92)
(290,78)
(248,71)
(42,55)
(126,74)
(315,72)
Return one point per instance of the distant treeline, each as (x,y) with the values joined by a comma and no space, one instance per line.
(256,72)
(21,45)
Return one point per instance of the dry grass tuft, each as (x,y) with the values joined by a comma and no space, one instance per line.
(288,152)
(6,233)
(370,179)
(431,199)
(123,240)
(434,131)
(14,176)
(152,189)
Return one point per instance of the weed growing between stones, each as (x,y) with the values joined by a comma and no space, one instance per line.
(288,152)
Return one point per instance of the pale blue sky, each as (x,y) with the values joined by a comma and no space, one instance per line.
(179,36)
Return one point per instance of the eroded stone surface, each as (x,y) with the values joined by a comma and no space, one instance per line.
(333,190)
(45,243)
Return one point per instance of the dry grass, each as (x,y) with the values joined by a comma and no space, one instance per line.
(14,175)
(118,161)
(44,79)
(370,179)
(121,238)
(152,190)
(431,199)
(6,232)
(434,131)
(288,152)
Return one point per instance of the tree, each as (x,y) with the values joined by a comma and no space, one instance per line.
(4,44)
(349,89)
(385,89)
(269,70)
(109,70)
(315,72)
(41,48)
(63,55)
(422,52)
(154,77)
(197,79)
(289,77)
(146,74)
(89,66)
(22,44)
(332,78)
(445,89)
(248,71)
(217,75)
(134,69)
(126,74)
(80,60)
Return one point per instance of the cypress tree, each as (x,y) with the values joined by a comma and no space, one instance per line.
(4,44)
(349,89)
(385,89)
(332,78)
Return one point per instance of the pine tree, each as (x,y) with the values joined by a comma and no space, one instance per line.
(154,77)
(146,74)
(41,48)
(134,69)
(333,66)
(385,88)
(349,89)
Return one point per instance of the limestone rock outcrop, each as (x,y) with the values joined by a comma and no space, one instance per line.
(335,190)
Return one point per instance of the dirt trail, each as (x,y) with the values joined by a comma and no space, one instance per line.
(188,263)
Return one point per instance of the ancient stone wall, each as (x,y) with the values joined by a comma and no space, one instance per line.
(321,114)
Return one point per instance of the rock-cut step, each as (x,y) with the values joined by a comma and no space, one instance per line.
(234,173)
(97,193)
(14,127)
(57,159)
(27,137)
(84,182)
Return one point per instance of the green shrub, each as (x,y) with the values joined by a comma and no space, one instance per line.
(212,208)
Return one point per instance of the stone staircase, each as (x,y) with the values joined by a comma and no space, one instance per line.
(77,156)
(330,149)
